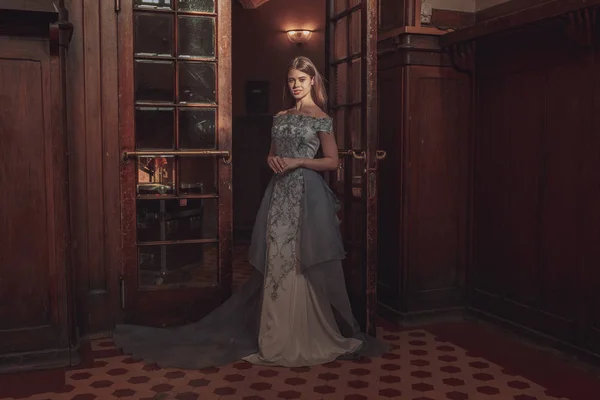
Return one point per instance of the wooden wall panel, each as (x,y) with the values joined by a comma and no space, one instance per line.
(34,293)
(94,162)
(437,156)
(395,14)
(391,83)
(591,223)
(535,264)
(424,119)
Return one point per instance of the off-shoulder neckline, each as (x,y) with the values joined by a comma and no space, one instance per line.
(303,115)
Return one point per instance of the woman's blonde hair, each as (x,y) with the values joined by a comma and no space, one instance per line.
(318,91)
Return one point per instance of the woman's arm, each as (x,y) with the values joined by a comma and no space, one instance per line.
(329,162)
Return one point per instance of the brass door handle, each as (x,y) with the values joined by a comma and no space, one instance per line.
(356,154)
(224,154)
(380,154)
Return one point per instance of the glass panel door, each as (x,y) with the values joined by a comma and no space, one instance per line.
(352,75)
(176,140)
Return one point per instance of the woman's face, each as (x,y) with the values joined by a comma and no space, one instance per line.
(299,84)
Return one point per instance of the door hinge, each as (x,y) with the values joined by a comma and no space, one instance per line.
(122,292)
(117,5)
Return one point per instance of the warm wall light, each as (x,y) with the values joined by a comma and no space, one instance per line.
(299,36)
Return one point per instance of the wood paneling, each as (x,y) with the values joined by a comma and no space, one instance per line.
(424,124)
(536,186)
(395,14)
(34,292)
(438,126)
(94,164)
(391,86)
(591,222)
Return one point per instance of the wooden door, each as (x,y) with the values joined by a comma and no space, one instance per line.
(175,90)
(352,76)
(34,228)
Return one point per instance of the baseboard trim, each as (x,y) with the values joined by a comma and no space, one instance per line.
(420,317)
(536,338)
(39,360)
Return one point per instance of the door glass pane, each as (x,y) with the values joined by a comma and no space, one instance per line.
(197,128)
(154,80)
(341,84)
(175,264)
(154,128)
(197,82)
(156,176)
(153,3)
(355,80)
(197,175)
(340,5)
(341,39)
(196,36)
(355,38)
(196,5)
(175,90)
(153,34)
(176,219)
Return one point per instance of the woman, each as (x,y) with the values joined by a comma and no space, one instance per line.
(294,310)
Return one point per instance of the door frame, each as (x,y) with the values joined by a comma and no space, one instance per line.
(130,295)
(369,140)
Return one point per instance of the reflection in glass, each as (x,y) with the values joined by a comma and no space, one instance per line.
(197,175)
(154,128)
(156,175)
(154,80)
(196,128)
(176,219)
(193,264)
(153,3)
(197,82)
(196,5)
(196,36)
(153,34)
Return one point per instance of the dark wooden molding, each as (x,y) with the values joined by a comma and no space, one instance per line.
(38,6)
(417,46)
(508,7)
(450,19)
(61,31)
(528,16)
(462,56)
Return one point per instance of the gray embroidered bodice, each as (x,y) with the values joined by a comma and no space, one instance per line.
(295,135)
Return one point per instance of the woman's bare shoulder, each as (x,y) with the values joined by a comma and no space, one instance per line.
(282,112)
(318,113)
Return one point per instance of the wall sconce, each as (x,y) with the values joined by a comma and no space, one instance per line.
(299,37)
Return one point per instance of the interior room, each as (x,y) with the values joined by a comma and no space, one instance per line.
(133,140)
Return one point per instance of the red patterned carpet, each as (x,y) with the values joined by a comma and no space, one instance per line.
(424,364)
(452,360)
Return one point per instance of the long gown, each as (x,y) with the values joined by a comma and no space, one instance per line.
(294,309)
